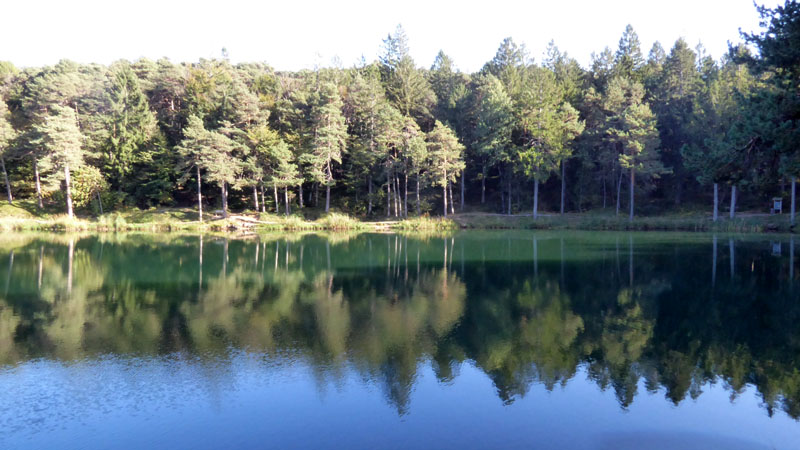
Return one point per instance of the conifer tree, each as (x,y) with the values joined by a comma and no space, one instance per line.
(62,142)
(330,138)
(212,152)
(7,134)
(129,125)
(446,155)
(495,122)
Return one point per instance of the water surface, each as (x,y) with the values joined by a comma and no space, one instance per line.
(465,340)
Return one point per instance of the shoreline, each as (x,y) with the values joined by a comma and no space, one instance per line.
(183,220)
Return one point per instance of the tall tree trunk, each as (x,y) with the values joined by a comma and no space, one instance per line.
(327,197)
(508,184)
(563,184)
(224,200)
(619,189)
(369,194)
(388,199)
(633,174)
(100,203)
(68,191)
(38,184)
(398,197)
(419,211)
(794,184)
(604,192)
(463,186)
(483,185)
(733,201)
(277,203)
(300,192)
(255,196)
(5,178)
(716,201)
(444,191)
(199,196)
(405,196)
(286,199)
(535,198)
(263,199)
(452,203)
(316,194)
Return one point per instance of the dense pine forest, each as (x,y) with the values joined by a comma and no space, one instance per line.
(637,132)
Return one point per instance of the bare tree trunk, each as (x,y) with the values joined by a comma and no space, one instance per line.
(38,184)
(68,191)
(619,189)
(633,174)
(300,192)
(483,185)
(388,199)
(263,199)
(286,200)
(398,195)
(535,198)
(733,201)
(563,184)
(604,192)
(100,203)
(405,196)
(5,178)
(716,201)
(463,186)
(327,197)
(794,184)
(419,211)
(277,203)
(508,183)
(444,191)
(224,200)
(199,196)
(369,195)
(255,196)
(452,203)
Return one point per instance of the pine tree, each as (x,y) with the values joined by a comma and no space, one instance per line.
(129,125)
(495,122)
(779,49)
(406,86)
(330,138)
(7,134)
(634,130)
(446,155)
(213,152)
(62,143)
(675,100)
(628,60)
(542,127)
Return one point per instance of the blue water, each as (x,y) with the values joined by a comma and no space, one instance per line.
(119,344)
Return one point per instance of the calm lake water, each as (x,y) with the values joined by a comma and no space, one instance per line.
(466,340)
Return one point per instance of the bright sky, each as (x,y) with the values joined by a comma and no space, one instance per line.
(296,34)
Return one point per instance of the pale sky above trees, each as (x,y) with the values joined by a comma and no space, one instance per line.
(299,34)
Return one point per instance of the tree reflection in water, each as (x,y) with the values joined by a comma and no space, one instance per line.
(524,307)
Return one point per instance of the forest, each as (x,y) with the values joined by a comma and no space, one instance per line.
(672,130)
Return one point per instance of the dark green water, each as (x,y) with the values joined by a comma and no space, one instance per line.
(470,340)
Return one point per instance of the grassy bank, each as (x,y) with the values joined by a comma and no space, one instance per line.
(699,222)
(24,215)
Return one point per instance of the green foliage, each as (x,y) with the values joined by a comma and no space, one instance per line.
(129,125)
(359,134)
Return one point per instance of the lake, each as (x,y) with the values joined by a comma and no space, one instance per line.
(490,339)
